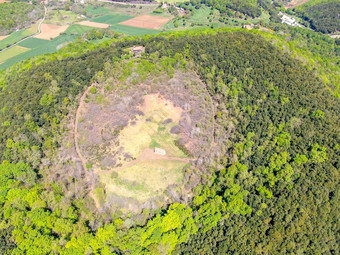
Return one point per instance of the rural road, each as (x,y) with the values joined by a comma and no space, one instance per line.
(126,3)
(21,40)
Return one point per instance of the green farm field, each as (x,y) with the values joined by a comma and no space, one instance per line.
(33,43)
(49,47)
(97,11)
(77,29)
(14,51)
(133,30)
(112,19)
(18,35)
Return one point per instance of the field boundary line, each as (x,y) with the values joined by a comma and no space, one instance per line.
(27,37)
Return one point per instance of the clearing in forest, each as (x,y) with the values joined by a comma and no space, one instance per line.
(147,21)
(50,31)
(140,173)
(118,133)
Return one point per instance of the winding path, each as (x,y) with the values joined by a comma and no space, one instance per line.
(30,36)
(76,134)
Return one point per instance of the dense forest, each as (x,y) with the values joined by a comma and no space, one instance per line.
(18,15)
(323,16)
(274,188)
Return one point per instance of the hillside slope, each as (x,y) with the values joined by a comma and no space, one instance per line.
(272,187)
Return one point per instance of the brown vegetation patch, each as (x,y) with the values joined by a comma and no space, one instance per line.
(295,3)
(119,131)
(146,21)
(50,31)
(93,24)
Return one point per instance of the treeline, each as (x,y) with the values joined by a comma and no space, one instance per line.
(273,188)
(18,15)
(250,8)
(323,17)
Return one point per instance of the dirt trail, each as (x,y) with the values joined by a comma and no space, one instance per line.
(76,134)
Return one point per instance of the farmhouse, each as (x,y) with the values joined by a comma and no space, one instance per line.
(138,50)
(160,151)
(251,26)
(289,20)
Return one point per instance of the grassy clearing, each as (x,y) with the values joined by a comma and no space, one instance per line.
(149,129)
(62,17)
(14,51)
(149,134)
(112,19)
(200,15)
(145,179)
(148,174)
(33,43)
(133,30)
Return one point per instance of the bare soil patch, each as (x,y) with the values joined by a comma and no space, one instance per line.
(147,21)
(50,31)
(295,3)
(93,24)
(2,36)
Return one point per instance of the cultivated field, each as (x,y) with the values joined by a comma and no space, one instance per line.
(18,35)
(147,21)
(9,53)
(93,24)
(49,47)
(49,31)
(33,43)
(112,18)
(128,30)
